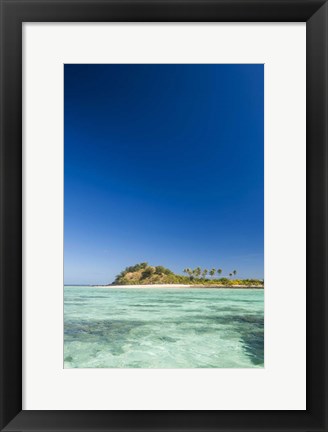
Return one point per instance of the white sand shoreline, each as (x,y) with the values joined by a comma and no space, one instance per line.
(168,286)
(145,286)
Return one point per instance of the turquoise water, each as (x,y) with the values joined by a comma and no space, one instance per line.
(163,328)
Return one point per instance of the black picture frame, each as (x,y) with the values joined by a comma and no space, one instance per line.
(13,14)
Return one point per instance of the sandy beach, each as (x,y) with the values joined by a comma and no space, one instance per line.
(178,286)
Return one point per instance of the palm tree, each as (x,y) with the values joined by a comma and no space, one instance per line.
(197,271)
(219,271)
(234,272)
(212,272)
(230,274)
(205,271)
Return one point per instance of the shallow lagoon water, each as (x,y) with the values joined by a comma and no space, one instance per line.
(163,327)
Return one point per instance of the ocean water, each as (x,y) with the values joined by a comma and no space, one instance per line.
(163,328)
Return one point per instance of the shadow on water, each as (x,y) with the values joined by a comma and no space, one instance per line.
(251,332)
(252,337)
(115,334)
(250,329)
(112,333)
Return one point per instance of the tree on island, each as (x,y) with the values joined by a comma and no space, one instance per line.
(143,274)
(160,269)
(189,272)
(197,272)
(149,271)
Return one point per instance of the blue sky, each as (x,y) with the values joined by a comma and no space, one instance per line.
(164,164)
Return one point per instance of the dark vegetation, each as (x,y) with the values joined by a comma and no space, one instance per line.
(144,274)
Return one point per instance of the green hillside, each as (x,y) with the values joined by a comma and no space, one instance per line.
(145,274)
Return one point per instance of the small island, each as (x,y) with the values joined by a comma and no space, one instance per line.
(143,274)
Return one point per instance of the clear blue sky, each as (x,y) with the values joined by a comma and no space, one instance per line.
(164,164)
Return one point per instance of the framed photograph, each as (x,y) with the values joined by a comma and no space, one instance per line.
(164,215)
